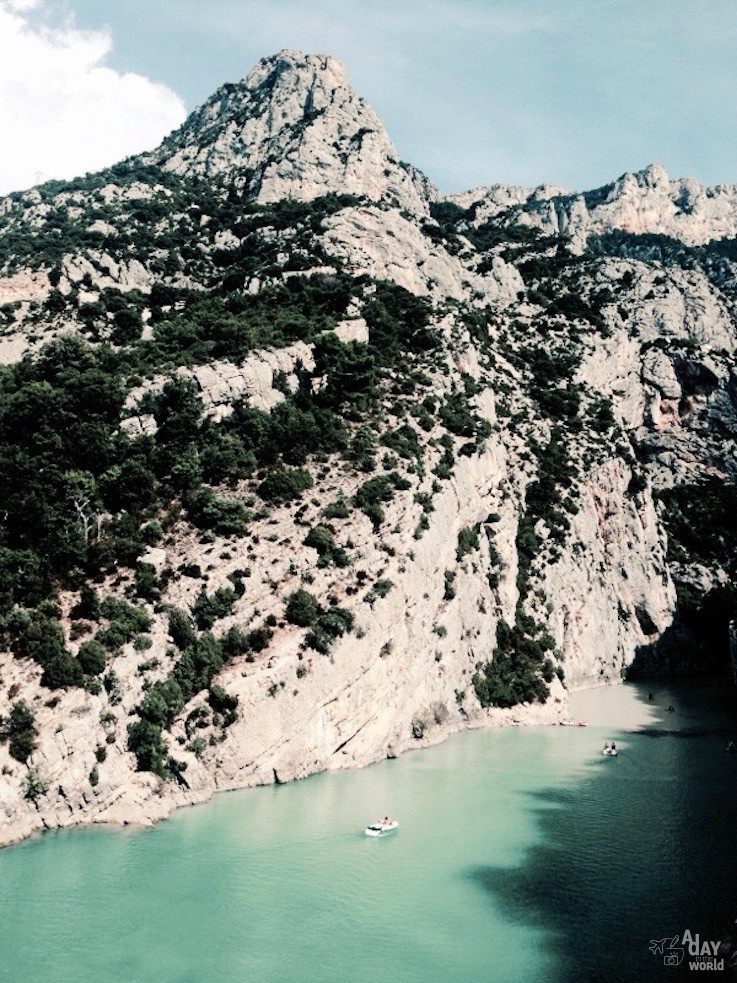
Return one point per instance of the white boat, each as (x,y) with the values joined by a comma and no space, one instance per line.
(381,828)
(612,752)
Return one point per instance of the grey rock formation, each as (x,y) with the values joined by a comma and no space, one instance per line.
(642,202)
(294,128)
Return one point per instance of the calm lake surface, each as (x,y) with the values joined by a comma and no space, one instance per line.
(523,855)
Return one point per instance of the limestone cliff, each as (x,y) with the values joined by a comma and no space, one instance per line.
(333,466)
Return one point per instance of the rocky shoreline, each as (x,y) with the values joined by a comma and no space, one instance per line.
(147,801)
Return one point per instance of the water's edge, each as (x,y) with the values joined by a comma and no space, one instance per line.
(169,797)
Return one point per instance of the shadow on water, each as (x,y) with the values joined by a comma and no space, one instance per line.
(638,850)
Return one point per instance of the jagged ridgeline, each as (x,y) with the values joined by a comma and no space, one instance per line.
(303,463)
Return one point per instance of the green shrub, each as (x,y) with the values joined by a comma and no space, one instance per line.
(259,639)
(92,658)
(327,627)
(362,449)
(302,608)
(339,509)
(34,785)
(112,638)
(350,374)
(380,589)
(152,532)
(181,629)
(126,621)
(284,484)
(146,582)
(88,606)
(198,746)
(209,609)
(321,539)
(198,665)
(514,674)
(376,490)
(234,642)
(459,419)
(129,616)
(112,687)
(35,636)
(20,732)
(162,703)
(223,703)
(148,665)
(146,743)
(450,590)
(62,671)
(468,541)
(223,516)
(399,322)
(403,441)
(444,468)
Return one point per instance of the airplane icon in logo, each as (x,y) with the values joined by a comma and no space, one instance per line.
(657,946)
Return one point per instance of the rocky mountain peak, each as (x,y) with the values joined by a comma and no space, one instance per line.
(294,128)
(650,202)
(654,177)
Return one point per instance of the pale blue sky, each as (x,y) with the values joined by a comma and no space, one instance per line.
(473,91)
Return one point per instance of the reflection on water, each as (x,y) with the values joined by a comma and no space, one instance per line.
(638,851)
(522,855)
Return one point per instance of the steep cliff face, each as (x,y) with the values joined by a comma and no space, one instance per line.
(334,467)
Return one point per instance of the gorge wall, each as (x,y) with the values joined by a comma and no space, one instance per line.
(334,466)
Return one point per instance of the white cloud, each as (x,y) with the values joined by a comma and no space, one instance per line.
(21,4)
(62,110)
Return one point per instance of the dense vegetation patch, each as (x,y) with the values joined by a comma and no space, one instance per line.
(325,626)
(19,730)
(520,668)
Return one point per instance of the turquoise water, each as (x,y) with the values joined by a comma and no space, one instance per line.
(522,855)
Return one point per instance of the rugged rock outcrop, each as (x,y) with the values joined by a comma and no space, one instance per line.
(391,246)
(642,202)
(294,128)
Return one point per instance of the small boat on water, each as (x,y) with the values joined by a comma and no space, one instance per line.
(610,750)
(382,827)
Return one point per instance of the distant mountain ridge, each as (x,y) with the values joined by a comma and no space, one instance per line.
(294,127)
(644,202)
